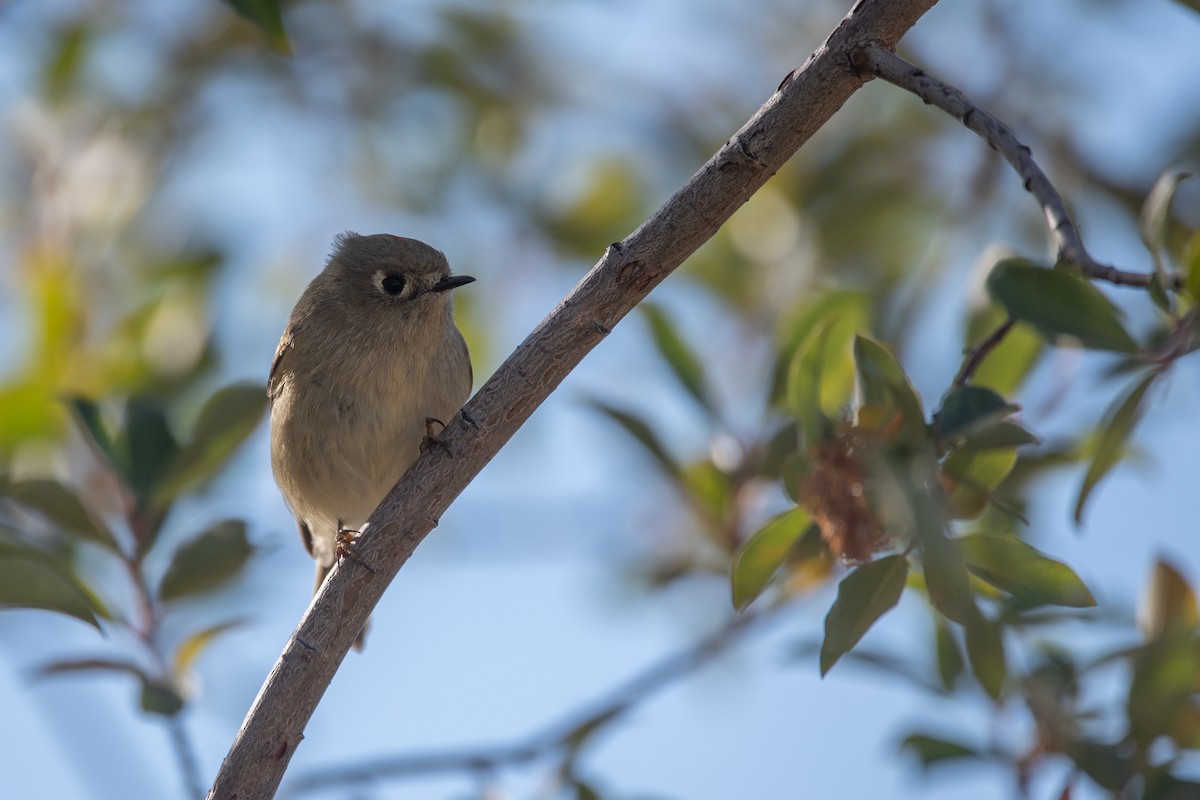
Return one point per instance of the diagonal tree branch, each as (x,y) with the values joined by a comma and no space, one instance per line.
(882,62)
(804,101)
(561,737)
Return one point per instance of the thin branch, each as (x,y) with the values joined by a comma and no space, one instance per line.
(803,102)
(560,737)
(185,754)
(980,351)
(884,63)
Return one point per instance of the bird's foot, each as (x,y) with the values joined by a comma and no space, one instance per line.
(343,547)
(430,439)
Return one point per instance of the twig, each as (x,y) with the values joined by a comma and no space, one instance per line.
(185,754)
(562,736)
(980,351)
(885,64)
(803,102)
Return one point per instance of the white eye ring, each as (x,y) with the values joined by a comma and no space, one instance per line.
(389,282)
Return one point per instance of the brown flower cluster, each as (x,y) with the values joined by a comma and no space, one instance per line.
(835,492)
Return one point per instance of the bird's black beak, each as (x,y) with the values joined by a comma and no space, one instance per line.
(451,282)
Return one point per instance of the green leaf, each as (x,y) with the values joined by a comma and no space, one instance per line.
(643,432)
(967,409)
(191,647)
(835,305)
(1030,576)
(972,475)
(820,374)
(864,596)
(150,444)
(1153,219)
(1161,689)
(206,562)
(226,420)
(87,665)
(60,506)
(160,698)
(709,489)
(1103,763)
(998,436)
(1169,603)
(268,17)
(946,577)
(882,381)
(985,651)
(1057,303)
(1115,431)
(30,582)
(932,750)
(1010,362)
(949,656)
(1190,266)
(87,417)
(687,368)
(761,555)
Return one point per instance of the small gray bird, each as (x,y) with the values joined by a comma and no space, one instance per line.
(369,361)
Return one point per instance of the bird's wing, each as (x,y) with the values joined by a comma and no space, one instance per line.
(287,342)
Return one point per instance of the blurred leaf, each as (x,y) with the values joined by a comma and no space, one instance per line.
(28,582)
(946,577)
(949,656)
(970,476)
(59,505)
(1008,363)
(708,488)
(985,651)
(609,206)
(998,436)
(70,50)
(932,750)
(970,408)
(150,444)
(1114,433)
(87,665)
(1103,763)
(191,647)
(864,596)
(206,562)
(268,17)
(761,555)
(1165,786)
(1190,265)
(1169,605)
(1010,564)
(226,420)
(820,380)
(687,368)
(852,309)
(882,381)
(160,698)
(1057,302)
(1166,676)
(584,791)
(643,432)
(1153,220)
(87,416)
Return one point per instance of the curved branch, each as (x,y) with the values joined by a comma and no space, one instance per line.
(804,101)
(885,64)
(980,351)
(561,736)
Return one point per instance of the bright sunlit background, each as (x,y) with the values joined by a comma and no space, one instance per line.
(171,183)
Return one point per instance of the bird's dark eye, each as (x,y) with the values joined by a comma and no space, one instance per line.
(392,283)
